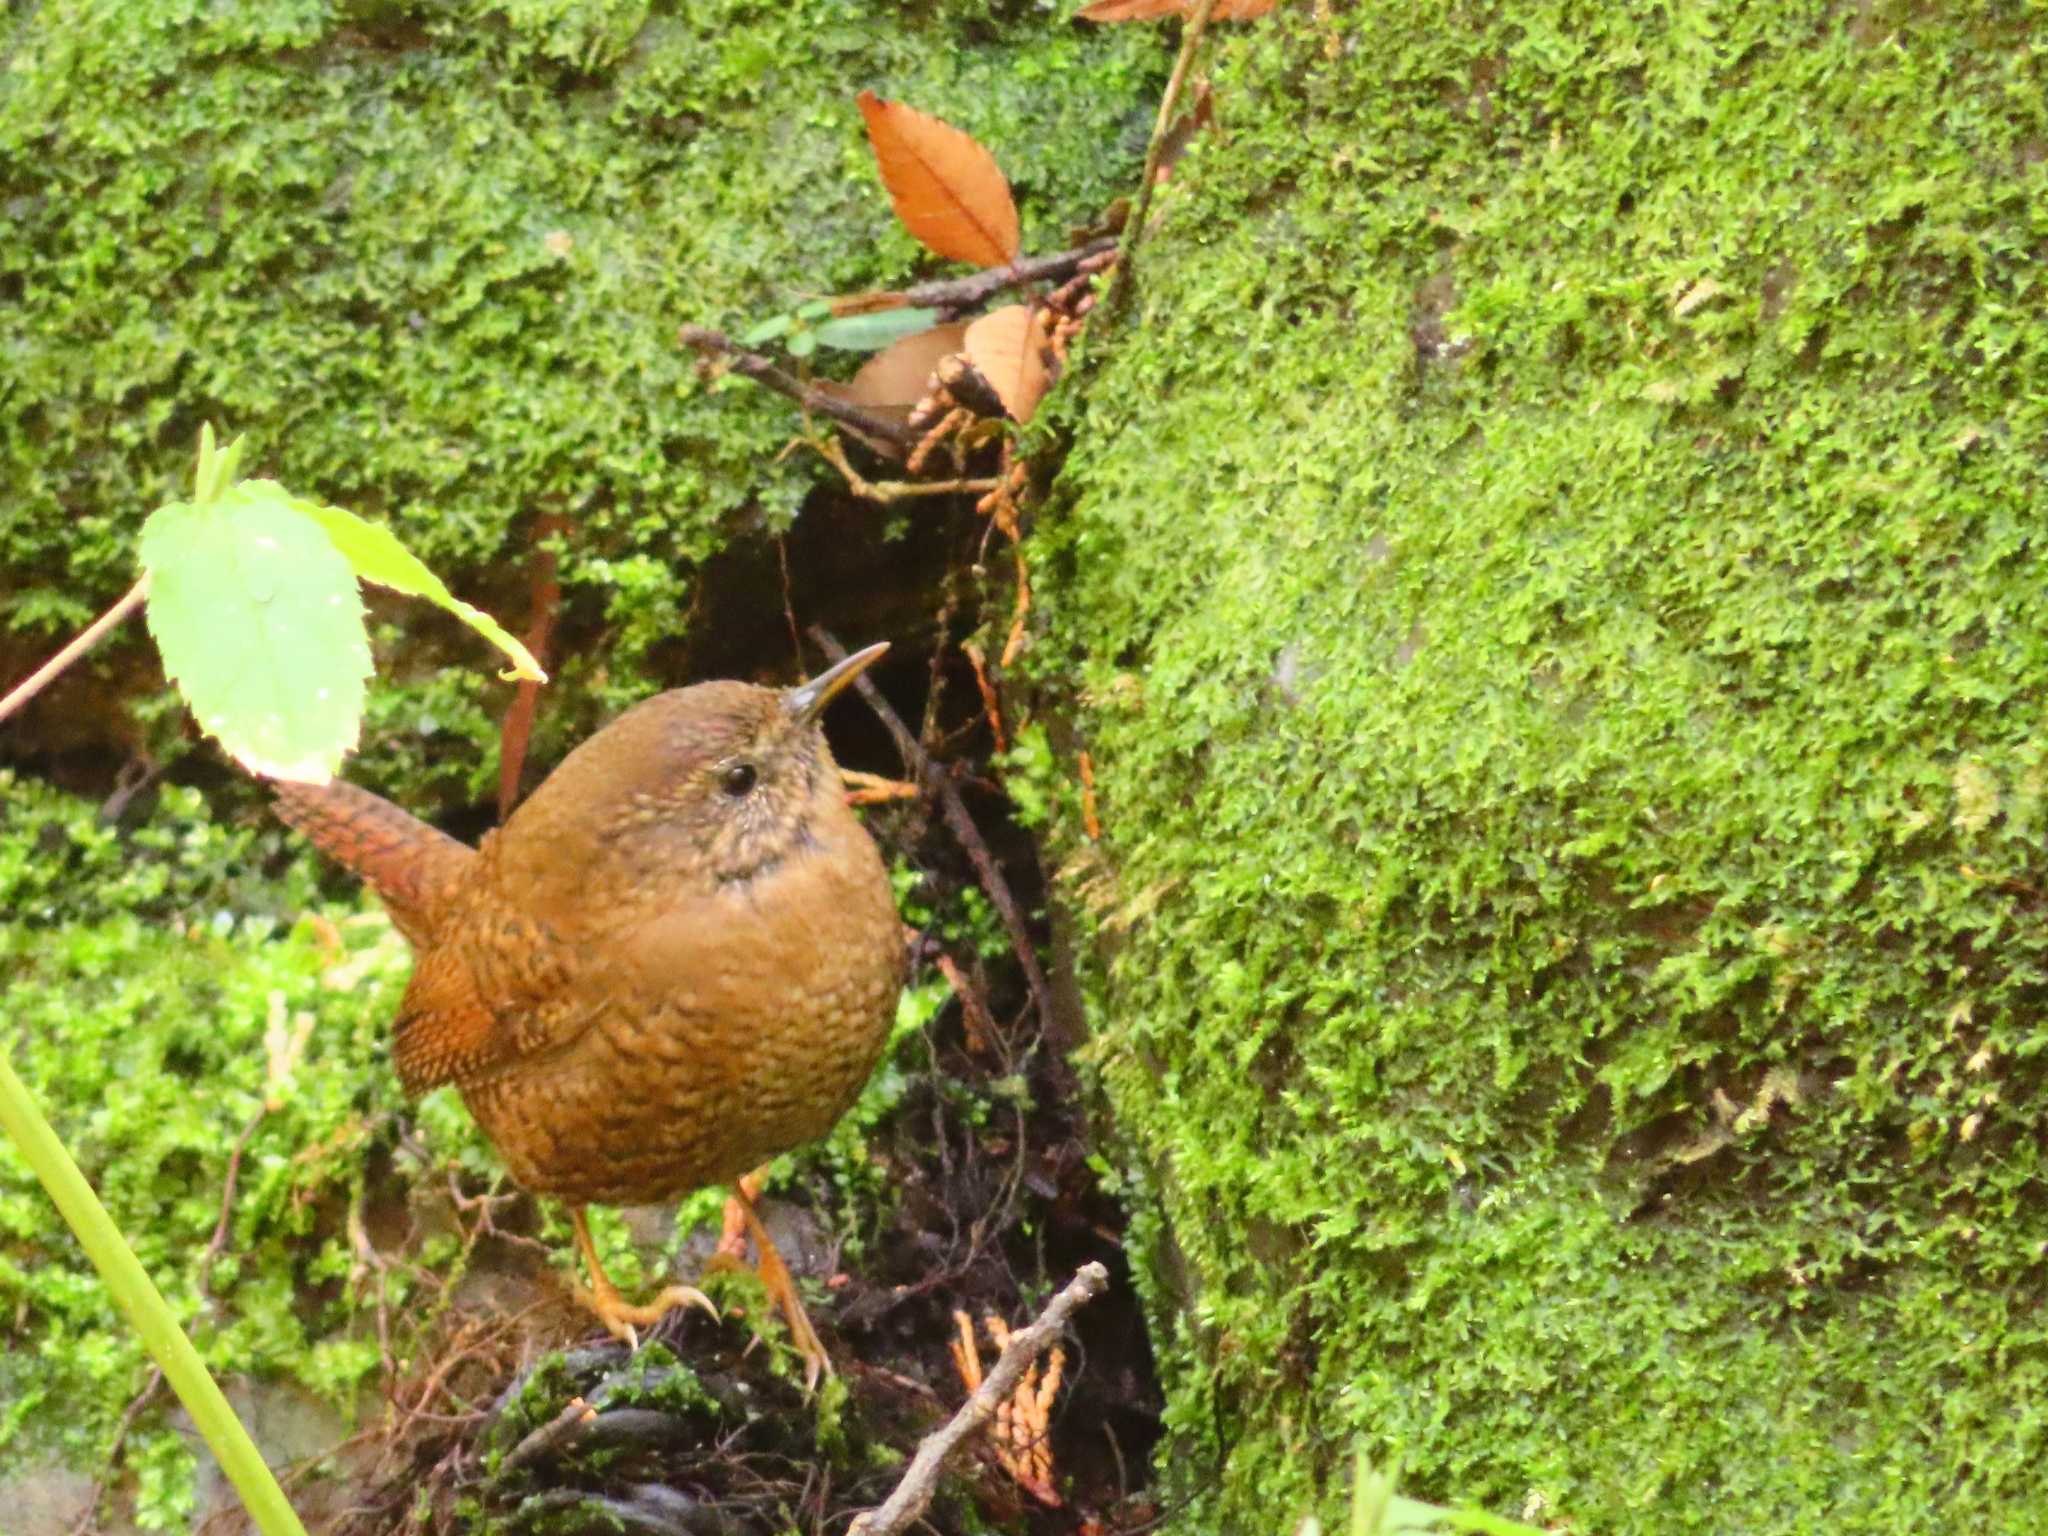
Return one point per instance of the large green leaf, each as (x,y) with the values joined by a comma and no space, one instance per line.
(377,556)
(260,624)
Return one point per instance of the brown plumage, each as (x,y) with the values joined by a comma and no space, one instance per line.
(678,958)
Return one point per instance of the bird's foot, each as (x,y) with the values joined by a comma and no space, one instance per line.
(622,1320)
(742,1221)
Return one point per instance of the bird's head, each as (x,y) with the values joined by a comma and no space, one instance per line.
(721,780)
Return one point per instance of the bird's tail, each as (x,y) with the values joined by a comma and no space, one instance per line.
(413,867)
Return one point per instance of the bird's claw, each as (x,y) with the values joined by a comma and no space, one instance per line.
(623,1321)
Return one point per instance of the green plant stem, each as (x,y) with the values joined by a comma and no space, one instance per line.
(1134,228)
(146,1310)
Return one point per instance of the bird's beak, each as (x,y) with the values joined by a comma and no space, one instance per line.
(806,701)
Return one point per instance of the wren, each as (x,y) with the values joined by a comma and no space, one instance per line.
(679,957)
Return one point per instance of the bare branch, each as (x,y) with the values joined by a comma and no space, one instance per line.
(219,1242)
(873,789)
(913,1495)
(964,293)
(763,371)
(889,491)
(89,637)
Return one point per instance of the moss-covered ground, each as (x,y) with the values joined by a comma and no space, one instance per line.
(1551,578)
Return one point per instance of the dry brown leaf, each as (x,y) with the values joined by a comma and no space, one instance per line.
(1004,347)
(948,191)
(901,373)
(1152,10)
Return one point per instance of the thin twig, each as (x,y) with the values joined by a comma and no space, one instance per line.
(991,706)
(551,1436)
(796,642)
(962,293)
(219,1241)
(1091,822)
(954,809)
(763,371)
(975,1016)
(1134,230)
(89,637)
(873,789)
(887,491)
(913,1495)
(91,1508)
(1022,610)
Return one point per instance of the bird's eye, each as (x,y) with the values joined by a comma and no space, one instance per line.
(738,779)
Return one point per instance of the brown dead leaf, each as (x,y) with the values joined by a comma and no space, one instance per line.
(948,191)
(1004,347)
(901,373)
(1151,10)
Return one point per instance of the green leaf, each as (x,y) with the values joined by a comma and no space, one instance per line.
(768,330)
(803,343)
(870,333)
(376,555)
(261,627)
(814,309)
(216,469)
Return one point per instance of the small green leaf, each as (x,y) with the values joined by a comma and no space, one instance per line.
(768,330)
(217,466)
(377,556)
(814,309)
(261,627)
(803,343)
(870,333)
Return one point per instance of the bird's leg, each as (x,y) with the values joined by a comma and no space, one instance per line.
(732,1236)
(775,1276)
(620,1320)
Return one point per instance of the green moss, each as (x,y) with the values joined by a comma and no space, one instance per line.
(148,1031)
(1551,582)
(432,258)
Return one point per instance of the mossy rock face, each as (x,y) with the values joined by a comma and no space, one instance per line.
(432,259)
(1551,581)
